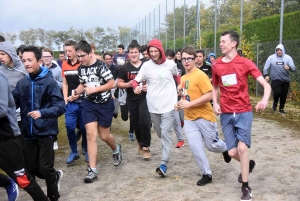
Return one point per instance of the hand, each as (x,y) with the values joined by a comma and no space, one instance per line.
(286,67)
(89,90)
(179,91)
(267,78)
(261,105)
(144,88)
(129,84)
(217,109)
(137,90)
(183,104)
(176,107)
(72,98)
(34,114)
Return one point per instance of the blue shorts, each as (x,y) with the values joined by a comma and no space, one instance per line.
(237,127)
(102,113)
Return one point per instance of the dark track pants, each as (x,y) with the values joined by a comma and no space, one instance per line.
(12,162)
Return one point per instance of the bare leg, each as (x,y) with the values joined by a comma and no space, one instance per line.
(91,135)
(107,137)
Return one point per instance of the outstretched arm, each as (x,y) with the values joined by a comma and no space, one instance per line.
(267,92)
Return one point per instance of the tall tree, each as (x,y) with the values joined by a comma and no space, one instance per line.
(28,37)
(90,37)
(41,35)
(124,35)
(49,39)
(11,36)
(60,37)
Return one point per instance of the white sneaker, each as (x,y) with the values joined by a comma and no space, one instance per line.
(55,145)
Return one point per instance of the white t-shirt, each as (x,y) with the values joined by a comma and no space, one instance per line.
(161,88)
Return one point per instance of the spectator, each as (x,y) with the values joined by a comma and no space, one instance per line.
(280,65)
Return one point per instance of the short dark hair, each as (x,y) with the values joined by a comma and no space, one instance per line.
(20,49)
(170,53)
(189,50)
(70,43)
(2,39)
(144,48)
(84,46)
(178,50)
(107,53)
(121,46)
(234,36)
(36,51)
(200,51)
(133,45)
(134,41)
(62,52)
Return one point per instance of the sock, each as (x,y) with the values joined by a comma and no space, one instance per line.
(116,151)
(94,170)
(245,185)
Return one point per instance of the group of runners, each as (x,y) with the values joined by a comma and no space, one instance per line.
(161,91)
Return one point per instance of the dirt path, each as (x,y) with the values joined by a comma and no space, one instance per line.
(276,177)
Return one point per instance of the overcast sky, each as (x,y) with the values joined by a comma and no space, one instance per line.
(58,15)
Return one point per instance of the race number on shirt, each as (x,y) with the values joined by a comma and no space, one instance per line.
(229,80)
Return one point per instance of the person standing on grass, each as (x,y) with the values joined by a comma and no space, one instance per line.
(280,66)
(73,116)
(41,103)
(137,103)
(230,76)
(161,96)
(200,124)
(96,81)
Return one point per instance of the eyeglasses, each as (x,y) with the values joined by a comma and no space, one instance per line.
(108,59)
(81,56)
(46,57)
(189,59)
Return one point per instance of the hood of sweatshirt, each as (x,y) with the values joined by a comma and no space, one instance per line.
(280,46)
(156,43)
(7,47)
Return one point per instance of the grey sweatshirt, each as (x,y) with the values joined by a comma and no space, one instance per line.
(56,72)
(13,74)
(8,126)
(18,71)
(276,65)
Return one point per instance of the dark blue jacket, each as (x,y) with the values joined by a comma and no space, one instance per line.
(42,94)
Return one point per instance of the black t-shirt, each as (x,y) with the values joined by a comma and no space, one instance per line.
(206,69)
(128,72)
(95,75)
(115,71)
(181,69)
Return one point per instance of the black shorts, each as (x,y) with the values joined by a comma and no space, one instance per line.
(100,112)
